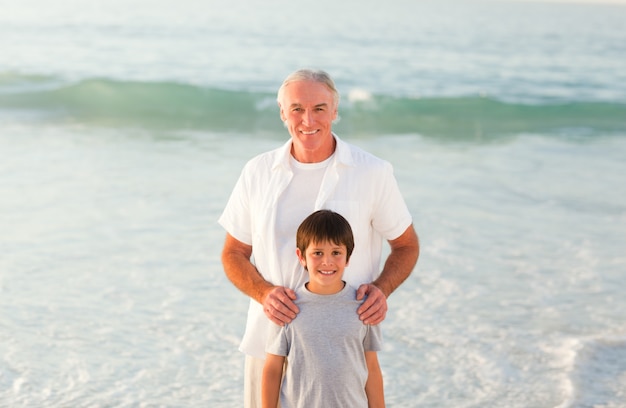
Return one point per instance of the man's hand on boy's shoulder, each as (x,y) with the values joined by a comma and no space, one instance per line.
(279,305)
(374,309)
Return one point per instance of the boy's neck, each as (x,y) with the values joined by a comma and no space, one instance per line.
(324,290)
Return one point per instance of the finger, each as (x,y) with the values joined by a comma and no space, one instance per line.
(374,308)
(283,306)
(366,305)
(278,317)
(362,291)
(284,302)
(375,319)
(279,307)
(374,314)
(291,293)
(370,312)
(280,295)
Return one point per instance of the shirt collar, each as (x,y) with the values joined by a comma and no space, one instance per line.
(342,154)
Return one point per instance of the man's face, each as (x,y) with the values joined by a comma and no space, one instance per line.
(308,110)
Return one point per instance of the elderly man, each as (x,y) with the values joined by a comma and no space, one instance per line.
(278,189)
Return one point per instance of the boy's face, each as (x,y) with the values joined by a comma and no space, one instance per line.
(325,262)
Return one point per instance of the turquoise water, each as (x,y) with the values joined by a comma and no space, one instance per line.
(124,125)
(170,105)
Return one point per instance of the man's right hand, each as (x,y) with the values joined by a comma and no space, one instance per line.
(278,305)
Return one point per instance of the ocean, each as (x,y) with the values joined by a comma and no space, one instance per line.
(124,126)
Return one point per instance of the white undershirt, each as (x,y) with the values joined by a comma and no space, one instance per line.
(298,201)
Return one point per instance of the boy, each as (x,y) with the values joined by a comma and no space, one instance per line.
(332,360)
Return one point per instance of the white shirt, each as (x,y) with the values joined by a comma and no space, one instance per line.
(356,184)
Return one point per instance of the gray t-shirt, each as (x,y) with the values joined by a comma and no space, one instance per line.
(325,348)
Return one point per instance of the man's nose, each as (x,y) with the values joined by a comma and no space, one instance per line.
(307,118)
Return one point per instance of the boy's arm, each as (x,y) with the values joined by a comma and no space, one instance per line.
(374,385)
(272,377)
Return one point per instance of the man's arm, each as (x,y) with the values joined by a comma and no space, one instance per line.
(398,266)
(270,382)
(277,301)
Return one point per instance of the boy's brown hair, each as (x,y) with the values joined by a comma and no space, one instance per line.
(325,226)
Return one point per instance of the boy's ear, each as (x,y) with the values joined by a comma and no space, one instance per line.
(301,257)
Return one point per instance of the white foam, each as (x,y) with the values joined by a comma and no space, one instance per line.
(359,95)
(563,360)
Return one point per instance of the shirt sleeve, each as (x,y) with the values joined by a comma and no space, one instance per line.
(373,340)
(391,217)
(277,343)
(236,217)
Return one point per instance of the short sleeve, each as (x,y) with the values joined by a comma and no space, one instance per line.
(277,343)
(373,340)
(391,216)
(236,217)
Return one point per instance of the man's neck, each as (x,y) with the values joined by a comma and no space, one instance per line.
(314,156)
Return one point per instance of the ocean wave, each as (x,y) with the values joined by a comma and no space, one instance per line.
(599,372)
(171,105)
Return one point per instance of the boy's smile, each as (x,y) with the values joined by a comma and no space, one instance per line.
(325,263)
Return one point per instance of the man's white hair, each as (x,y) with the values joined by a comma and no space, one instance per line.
(309,75)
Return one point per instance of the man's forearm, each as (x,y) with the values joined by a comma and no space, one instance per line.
(246,278)
(400,262)
(241,272)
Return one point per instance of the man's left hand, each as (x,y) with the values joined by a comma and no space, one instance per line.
(374,309)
